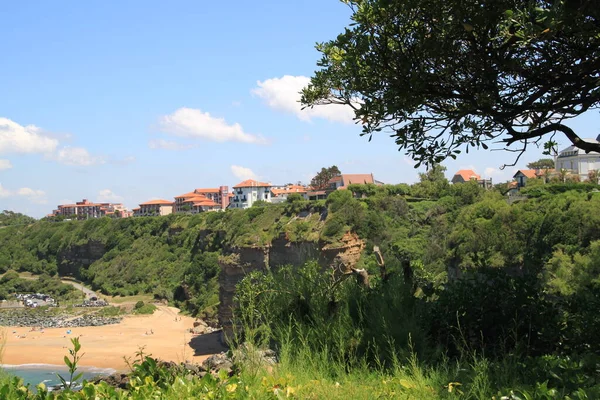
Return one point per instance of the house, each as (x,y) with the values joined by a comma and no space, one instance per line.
(279,194)
(467,175)
(344,180)
(219,195)
(577,162)
(513,188)
(88,209)
(155,207)
(199,200)
(248,192)
(316,195)
(522,175)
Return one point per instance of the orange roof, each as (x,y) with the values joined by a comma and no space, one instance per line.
(157,202)
(208,203)
(135,209)
(468,174)
(349,179)
(529,173)
(251,183)
(278,192)
(512,184)
(183,196)
(195,198)
(210,190)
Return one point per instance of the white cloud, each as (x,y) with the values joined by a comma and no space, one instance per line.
(168,145)
(4,192)
(283,94)
(77,156)
(34,196)
(107,196)
(193,123)
(243,173)
(5,164)
(30,139)
(15,138)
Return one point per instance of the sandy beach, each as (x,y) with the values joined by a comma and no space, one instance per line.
(105,346)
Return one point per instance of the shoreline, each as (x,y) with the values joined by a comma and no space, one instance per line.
(164,335)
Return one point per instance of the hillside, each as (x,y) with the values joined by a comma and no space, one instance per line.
(12,218)
(456,228)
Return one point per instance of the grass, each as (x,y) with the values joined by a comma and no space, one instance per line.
(144,309)
(129,299)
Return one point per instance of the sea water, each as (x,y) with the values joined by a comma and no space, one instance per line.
(34,374)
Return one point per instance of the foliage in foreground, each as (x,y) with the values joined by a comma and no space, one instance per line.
(446,76)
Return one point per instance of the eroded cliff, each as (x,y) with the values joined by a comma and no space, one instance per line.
(243,260)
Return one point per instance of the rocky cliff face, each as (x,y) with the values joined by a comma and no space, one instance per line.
(72,259)
(280,252)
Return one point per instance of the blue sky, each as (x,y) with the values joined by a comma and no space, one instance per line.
(129,101)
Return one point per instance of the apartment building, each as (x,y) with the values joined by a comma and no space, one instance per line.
(154,208)
(200,200)
(89,209)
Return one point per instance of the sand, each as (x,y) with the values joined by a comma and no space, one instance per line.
(105,346)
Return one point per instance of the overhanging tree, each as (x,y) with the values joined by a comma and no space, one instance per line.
(443,76)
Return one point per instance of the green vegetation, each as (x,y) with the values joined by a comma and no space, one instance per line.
(478,297)
(141,308)
(11,283)
(444,76)
(12,218)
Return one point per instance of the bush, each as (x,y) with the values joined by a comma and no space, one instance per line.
(145,309)
(138,305)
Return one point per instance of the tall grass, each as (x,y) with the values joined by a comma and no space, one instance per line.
(338,339)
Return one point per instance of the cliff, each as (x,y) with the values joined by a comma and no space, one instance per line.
(71,260)
(281,251)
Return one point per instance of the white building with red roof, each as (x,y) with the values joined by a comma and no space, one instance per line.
(280,194)
(250,191)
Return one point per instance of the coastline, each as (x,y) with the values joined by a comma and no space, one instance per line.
(164,335)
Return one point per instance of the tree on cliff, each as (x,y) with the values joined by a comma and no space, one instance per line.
(443,76)
(321,180)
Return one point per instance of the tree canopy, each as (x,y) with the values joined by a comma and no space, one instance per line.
(12,218)
(321,180)
(443,76)
(542,163)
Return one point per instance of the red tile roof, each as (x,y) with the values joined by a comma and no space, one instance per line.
(157,202)
(349,179)
(186,195)
(196,198)
(206,203)
(209,190)
(529,173)
(251,183)
(467,174)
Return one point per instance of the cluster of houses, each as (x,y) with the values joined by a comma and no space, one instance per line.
(244,195)
(572,163)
